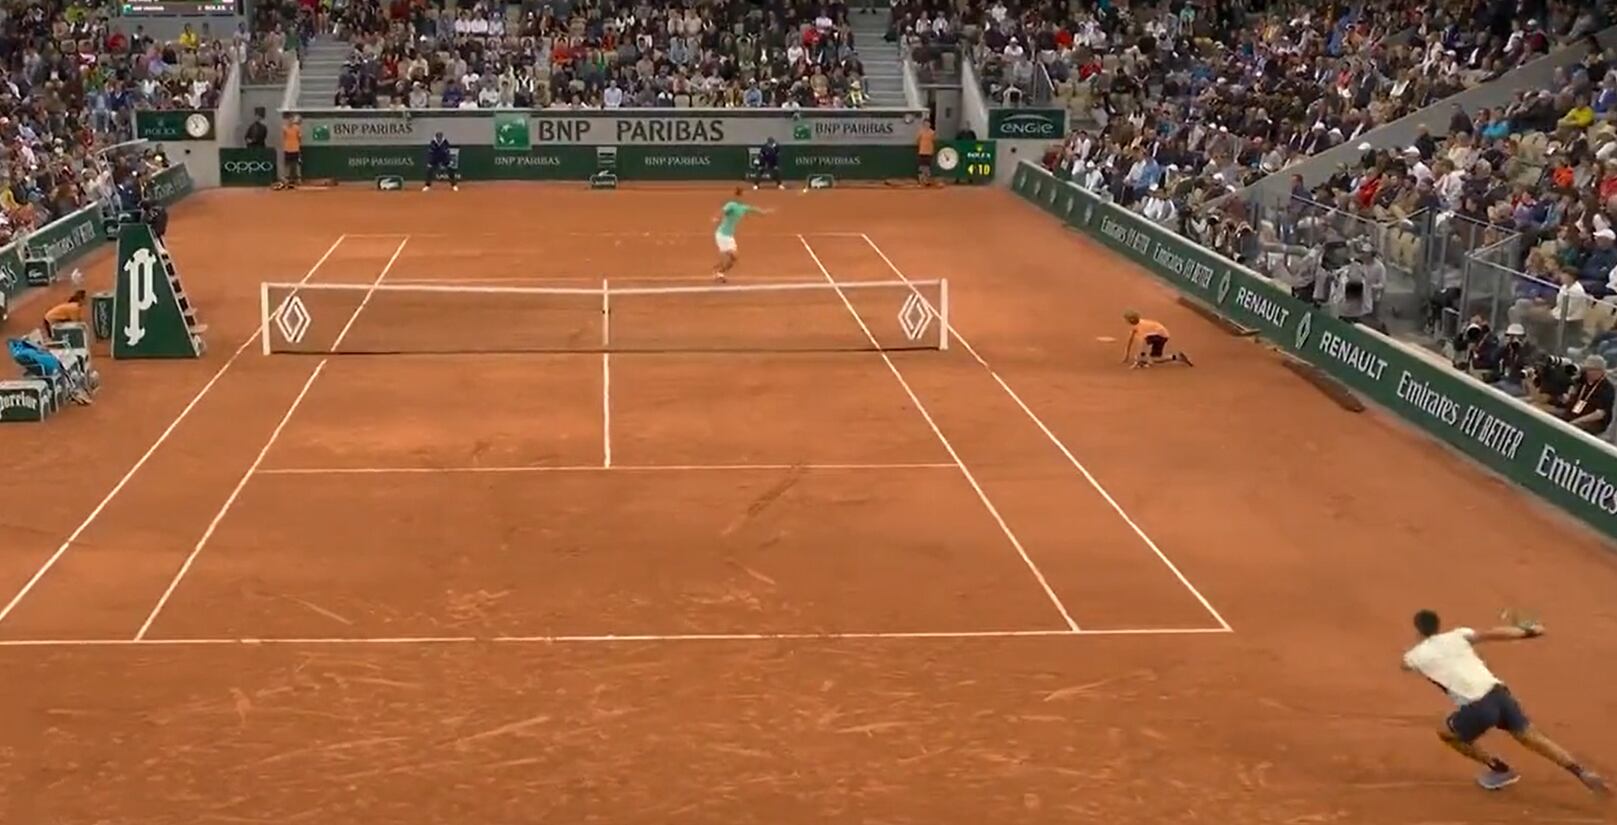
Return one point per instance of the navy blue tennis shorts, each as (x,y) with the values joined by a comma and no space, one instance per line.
(1496,709)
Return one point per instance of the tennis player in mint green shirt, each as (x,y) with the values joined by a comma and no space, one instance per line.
(729,219)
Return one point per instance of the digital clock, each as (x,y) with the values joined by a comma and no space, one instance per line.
(976,161)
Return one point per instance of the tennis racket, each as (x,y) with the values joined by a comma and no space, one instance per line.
(1523,619)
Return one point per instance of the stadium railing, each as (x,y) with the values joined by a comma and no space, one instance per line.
(1502,295)
(1043,88)
(1555,461)
(1400,244)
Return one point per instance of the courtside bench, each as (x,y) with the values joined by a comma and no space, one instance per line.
(33,398)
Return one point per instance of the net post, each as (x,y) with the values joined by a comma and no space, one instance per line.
(943,314)
(264,317)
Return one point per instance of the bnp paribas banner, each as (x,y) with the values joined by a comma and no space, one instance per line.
(518,130)
(1561,465)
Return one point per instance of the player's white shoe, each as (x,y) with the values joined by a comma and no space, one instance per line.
(427,188)
(755,187)
(719,276)
(456,187)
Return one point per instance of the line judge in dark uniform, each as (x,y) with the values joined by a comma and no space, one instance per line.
(441,157)
(768,165)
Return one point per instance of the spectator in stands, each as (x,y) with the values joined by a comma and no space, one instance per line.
(1587,405)
(1157,208)
(614,54)
(1598,263)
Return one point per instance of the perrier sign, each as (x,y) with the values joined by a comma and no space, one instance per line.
(511,132)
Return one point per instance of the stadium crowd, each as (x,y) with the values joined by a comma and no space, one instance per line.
(608,54)
(281,30)
(73,80)
(1206,101)
(1170,120)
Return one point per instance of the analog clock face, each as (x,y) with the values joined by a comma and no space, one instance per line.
(197,125)
(948,159)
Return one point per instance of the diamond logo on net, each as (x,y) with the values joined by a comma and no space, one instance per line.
(915,316)
(293,320)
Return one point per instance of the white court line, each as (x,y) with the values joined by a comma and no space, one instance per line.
(594,468)
(229,502)
(275,434)
(944,440)
(540,280)
(375,285)
(534,232)
(606,374)
(161,439)
(1078,465)
(567,279)
(406,641)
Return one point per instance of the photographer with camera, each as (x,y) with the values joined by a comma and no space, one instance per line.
(1588,402)
(1347,285)
(1548,380)
(1508,373)
(1476,349)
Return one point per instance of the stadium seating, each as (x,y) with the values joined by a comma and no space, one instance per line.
(601,56)
(281,30)
(1293,85)
(55,156)
(1493,219)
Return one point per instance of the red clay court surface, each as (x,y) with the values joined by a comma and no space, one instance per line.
(811,587)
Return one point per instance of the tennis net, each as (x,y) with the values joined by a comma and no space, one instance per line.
(815,316)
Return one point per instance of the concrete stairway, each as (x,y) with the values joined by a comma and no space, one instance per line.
(884,71)
(322,65)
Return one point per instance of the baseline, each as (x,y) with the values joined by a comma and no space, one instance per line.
(614,639)
(598,468)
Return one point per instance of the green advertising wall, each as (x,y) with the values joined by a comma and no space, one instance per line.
(70,238)
(652,144)
(252,166)
(1027,124)
(634,162)
(1563,466)
(63,241)
(174,124)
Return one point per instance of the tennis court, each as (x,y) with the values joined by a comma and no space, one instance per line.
(521,521)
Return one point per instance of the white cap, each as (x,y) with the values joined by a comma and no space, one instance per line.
(1515,329)
(1412,151)
(1365,146)
(1606,234)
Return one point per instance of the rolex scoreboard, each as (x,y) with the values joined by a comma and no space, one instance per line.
(965,161)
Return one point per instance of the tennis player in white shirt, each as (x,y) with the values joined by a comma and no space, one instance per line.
(1447,659)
